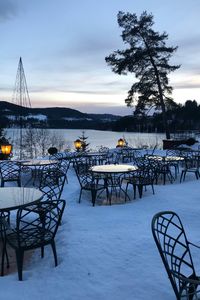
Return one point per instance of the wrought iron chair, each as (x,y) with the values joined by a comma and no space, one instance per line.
(52,184)
(64,167)
(10,171)
(192,165)
(87,181)
(174,164)
(4,225)
(140,179)
(174,249)
(33,231)
(162,169)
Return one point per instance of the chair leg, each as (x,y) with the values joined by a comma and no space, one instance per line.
(153,189)
(126,191)
(181,176)
(42,251)
(4,253)
(134,189)
(53,245)
(19,258)
(94,194)
(140,188)
(79,201)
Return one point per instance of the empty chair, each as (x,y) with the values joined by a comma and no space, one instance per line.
(52,184)
(162,169)
(10,171)
(33,232)
(191,166)
(140,179)
(174,249)
(175,164)
(88,182)
(64,167)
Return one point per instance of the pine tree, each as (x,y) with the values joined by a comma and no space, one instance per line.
(83,139)
(147,56)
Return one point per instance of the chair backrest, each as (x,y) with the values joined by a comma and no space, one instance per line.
(191,162)
(83,172)
(64,166)
(173,246)
(10,170)
(43,226)
(52,184)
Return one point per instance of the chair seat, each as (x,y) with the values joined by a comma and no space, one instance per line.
(29,238)
(93,186)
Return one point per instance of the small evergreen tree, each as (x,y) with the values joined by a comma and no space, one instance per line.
(147,56)
(3,140)
(83,140)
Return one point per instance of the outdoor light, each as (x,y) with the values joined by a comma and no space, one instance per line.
(121,143)
(6,149)
(78,144)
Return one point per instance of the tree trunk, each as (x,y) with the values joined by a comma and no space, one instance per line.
(162,103)
(167,132)
(166,126)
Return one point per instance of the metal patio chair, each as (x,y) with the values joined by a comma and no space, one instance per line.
(174,249)
(10,171)
(88,182)
(34,231)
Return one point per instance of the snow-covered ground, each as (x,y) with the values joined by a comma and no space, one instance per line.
(108,252)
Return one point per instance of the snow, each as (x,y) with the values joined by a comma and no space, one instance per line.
(40,117)
(107,252)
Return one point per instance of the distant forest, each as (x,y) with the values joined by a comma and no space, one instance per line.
(180,117)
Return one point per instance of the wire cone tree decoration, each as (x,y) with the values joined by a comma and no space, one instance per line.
(22,99)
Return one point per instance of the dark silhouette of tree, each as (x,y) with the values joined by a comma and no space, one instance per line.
(147,56)
(84,144)
(3,140)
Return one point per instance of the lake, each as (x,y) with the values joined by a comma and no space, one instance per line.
(97,138)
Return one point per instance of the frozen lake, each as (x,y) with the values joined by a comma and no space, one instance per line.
(97,138)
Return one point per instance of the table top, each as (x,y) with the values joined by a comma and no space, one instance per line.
(16,197)
(165,158)
(39,162)
(113,168)
(173,158)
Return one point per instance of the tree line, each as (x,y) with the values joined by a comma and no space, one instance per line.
(179,117)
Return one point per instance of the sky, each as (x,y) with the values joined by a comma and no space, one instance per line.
(63,45)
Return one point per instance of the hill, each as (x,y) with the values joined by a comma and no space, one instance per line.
(53,117)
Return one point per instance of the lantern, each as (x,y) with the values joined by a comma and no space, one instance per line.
(121,143)
(78,144)
(6,149)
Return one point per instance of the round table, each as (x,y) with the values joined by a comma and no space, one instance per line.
(112,177)
(113,169)
(16,197)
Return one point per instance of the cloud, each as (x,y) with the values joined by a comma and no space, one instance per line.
(191,42)
(8,9)
(187,85)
